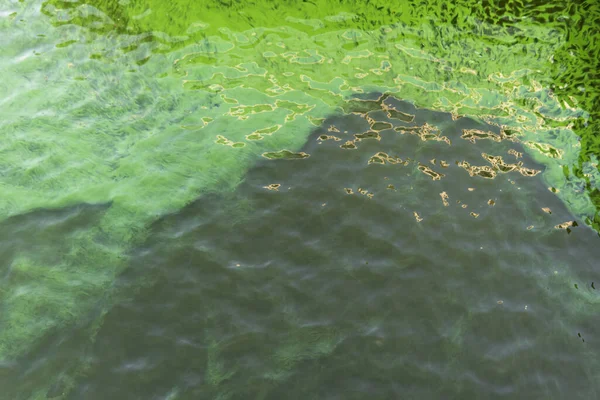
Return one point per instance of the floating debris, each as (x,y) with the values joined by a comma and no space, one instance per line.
(445,197)
(362,191)
(417,216)
(273,186)
(567,225)
(547,210)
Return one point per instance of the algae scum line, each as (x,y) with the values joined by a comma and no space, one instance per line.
(120,119)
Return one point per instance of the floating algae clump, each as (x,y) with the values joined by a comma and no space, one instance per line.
(99,96)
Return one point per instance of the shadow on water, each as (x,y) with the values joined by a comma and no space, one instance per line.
(333,277)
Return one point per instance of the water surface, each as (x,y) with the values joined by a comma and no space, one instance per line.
(208,200)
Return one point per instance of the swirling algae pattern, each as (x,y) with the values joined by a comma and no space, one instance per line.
(140,107)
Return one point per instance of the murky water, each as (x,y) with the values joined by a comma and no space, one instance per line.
(209,200)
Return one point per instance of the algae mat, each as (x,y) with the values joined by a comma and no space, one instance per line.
(118,114)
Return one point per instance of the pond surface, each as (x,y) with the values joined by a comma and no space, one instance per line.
(226,200)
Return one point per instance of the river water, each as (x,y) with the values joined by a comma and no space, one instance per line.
(209,200)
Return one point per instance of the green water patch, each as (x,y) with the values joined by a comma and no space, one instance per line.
(418,61)
(40,290)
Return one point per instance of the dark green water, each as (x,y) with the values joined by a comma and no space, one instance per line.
(206,200)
